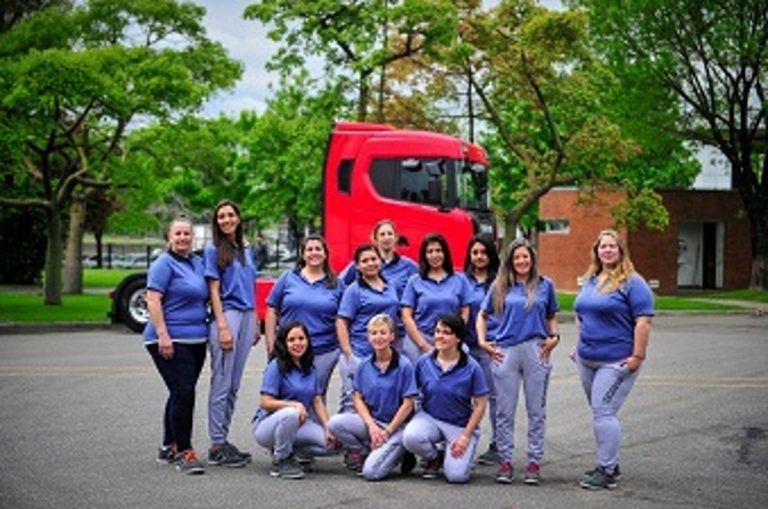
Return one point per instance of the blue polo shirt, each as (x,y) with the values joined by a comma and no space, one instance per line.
(384,392)
(236,280)
(607,320)
(295,385)
(397,272)
(429,298)
(477,291)
(185,295)
(359,304)
(517,324)
(313,304)
(447,396)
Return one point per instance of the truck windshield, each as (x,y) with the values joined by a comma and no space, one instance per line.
(472,186)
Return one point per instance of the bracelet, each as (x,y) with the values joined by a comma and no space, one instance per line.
(556,336)
(387,430)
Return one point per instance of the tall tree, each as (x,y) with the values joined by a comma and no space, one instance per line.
(74,78)
(355,39)
(712,56)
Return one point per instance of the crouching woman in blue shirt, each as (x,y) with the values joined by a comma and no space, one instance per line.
(384,392)
(613,318)
(455,395)
(292,416)
(175,337)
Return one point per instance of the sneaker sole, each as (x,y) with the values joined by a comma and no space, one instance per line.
(532,482)
(430,476)
(588,486)
(191,471)
(504,480)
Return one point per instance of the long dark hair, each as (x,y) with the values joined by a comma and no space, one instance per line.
(330,276)
(424,264)
(284,360)
(493,257)
(226,250)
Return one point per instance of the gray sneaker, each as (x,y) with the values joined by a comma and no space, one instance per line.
(598,479)
(187,463)
(286,468)
(532,474)
(489,457)
(237,451)
(225,456)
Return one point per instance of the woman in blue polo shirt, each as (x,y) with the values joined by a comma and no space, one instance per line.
(230,272)
(369,295)
(292,417)
(481,264)
(309,294)
(395,268)
(435,289)
(524,305)
(454,395)
(613,317)
(175,337)
(385,390)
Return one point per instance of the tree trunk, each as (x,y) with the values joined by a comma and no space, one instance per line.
(362,100)
(53,254)
(98,235)
(759,226)
(73,261)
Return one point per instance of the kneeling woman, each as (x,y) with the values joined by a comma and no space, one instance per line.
(292,416)
(455,395)
(384,391)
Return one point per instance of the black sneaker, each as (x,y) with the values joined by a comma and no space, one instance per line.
(408,463)
(287,468)
(506,473)
(489,457)
(165,455)
(305,461)
(616,472)
(432,467)
(598,479)
(187,463)
(225,456)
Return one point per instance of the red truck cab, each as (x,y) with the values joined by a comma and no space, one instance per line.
(423,181)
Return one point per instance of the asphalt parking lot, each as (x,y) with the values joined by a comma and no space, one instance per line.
(80,417)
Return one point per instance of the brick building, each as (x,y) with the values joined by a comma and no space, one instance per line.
(706,245)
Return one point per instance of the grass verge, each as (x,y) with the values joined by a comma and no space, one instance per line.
(105,278)
(29,308)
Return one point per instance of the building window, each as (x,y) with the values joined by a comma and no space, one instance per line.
(555,226)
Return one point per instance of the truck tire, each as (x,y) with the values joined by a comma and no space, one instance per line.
(132,304)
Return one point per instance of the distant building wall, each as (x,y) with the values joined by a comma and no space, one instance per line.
(564,253)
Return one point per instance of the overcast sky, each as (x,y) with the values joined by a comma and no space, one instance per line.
(247,42)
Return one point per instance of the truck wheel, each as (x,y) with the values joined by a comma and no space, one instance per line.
(132,306)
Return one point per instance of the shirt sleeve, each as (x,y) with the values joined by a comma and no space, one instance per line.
(640,297)
(465,293)
(270,384)
(275,297)
(409,389)
(349,302)
(349,274)
(160,274)
(487,304)
(479,386)
(552,305)
(209,258)
(409,294)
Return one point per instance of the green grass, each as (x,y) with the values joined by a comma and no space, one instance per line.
(105,278)
(29,307)
(662,304)
(749,295)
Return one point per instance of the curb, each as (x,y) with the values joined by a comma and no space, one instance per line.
(7,328)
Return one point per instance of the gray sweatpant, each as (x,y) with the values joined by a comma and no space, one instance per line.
(347,370)
(606,385)
(324,364)
(351,430)
(424,432)
(281,433)
(227,369)
(521,363)
(485,361)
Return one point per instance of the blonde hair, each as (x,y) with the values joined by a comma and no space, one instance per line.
(616,277)
(381,319)
(506,277)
